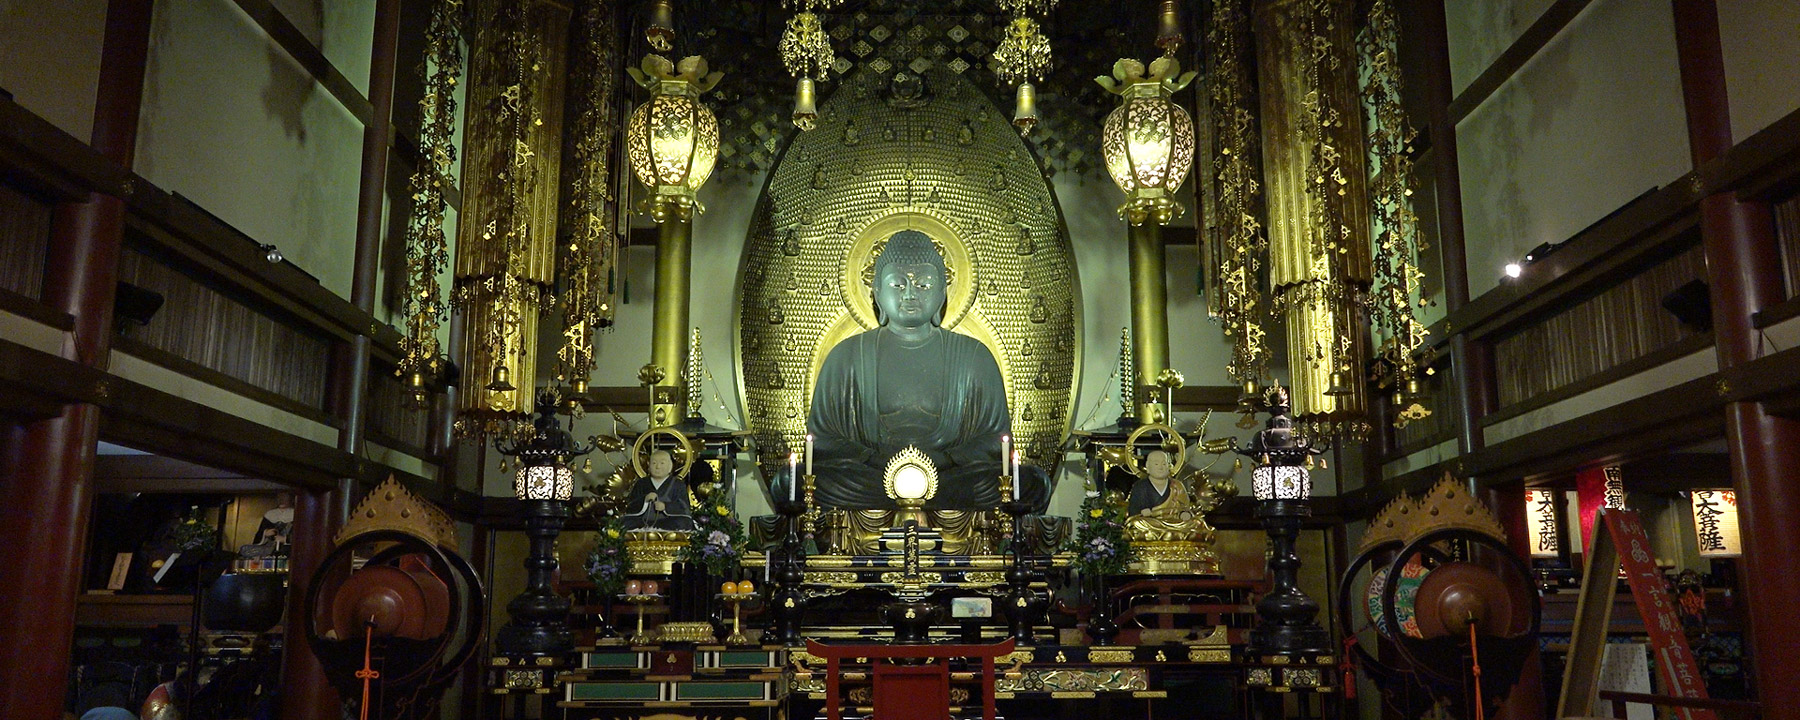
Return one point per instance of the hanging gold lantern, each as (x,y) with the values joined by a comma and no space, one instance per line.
(673,140)
(1148,140)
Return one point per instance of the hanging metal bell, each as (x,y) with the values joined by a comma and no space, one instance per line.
(1168,27)
(1025,115)
(1415,389)
(659,28)
(1340,386)
(806,104)
(502,381)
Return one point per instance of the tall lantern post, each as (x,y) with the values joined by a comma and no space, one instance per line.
(1286,624)
(1148,142)
(672,141)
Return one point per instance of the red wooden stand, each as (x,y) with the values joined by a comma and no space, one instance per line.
(908,692)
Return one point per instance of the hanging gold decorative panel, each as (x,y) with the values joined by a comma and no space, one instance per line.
(893,153)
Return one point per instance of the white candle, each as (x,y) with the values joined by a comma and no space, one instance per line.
(809,449)
(1015,475)
(1006,454)
(793,474)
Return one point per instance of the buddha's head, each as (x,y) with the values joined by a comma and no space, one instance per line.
(909,281)
(661,464)
(1158,465)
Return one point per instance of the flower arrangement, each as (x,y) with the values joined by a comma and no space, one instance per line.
(607,564)
(193,534)
(1099,541)
(717,542)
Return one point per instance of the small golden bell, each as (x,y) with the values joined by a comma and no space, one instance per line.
(502,381)
(1168,28)
(1025,115)
(1415,389)
(806,109)
(659,31)
(1340,386)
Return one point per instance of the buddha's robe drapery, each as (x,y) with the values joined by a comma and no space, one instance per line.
(876,395)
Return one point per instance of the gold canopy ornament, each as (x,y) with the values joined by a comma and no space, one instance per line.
(592,246)
(673,140)
(391,507)
(1239,246)
(806,53)
(1148,140)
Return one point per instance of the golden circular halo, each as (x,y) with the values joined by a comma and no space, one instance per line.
(856,280)
(1131,456)
(686,449)
(910,457)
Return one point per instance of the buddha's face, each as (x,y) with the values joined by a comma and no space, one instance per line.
(1157,465)
(910,295)
(661,464)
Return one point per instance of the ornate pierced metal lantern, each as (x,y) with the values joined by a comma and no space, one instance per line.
(1148,140)
(673,140)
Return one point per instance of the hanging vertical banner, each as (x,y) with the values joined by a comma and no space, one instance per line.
(1716,523)
(1590,496)
(1540,523)
(1681,676)
(1615,488)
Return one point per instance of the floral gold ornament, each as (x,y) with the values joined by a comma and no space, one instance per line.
(1239,244)
(592,244)
(1022,56)
(1397,293)
(427,249)
(673,139)
(806,53)
(1148,140)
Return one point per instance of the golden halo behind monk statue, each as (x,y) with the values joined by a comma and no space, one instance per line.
(684,450)
(1172,443)
(856,282)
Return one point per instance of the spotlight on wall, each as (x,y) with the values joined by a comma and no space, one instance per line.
(1514,270)
(271,253)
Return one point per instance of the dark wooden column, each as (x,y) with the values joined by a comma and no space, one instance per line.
(1471,361)
(306,694)
(1743,268)
(49,474)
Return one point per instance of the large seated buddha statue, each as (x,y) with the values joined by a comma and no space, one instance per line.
(911,383)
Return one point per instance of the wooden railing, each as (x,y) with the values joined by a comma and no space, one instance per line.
(1727,709)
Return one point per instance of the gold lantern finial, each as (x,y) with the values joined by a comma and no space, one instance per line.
(1148,140)
(673,140)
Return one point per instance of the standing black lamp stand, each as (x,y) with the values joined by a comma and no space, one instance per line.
(1285,617)
(544,484)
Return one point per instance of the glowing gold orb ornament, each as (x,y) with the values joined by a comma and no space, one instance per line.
(1148,140)
(673,140)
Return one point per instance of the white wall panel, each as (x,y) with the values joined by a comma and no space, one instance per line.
(50,59)
(1479,30)
(1761,40)
(234,124)
(1594,120)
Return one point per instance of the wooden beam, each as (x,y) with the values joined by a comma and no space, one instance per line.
(37,156)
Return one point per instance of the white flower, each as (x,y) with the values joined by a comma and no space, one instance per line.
(718,537)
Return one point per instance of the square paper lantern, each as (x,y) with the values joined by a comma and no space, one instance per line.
(1716,523)
(1281,482)
(544,482)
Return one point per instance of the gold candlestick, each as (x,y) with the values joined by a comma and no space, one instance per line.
(809,520)
(640,637)
(736,600)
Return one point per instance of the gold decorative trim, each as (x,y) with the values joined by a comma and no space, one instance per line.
(1173,557)
(984,577)
(654,552)
(829,577)
(1209,655)
(1391,524)
(694,632)
(1109,656)
(896,577)
(391,507)
(1450,506)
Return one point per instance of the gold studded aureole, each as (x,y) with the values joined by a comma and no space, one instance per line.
(949,165)
(1391,524)
(1449,506)
(390,506)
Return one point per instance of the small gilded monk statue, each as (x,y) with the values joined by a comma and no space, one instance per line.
(910,382)
(659,501)
(1161,508)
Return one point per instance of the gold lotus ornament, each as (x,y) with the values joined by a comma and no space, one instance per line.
(673,140)
(1148,140)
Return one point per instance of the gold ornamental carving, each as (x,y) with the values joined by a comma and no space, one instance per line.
(391,507)
(936,157)
(1076,681)
(1109,656)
